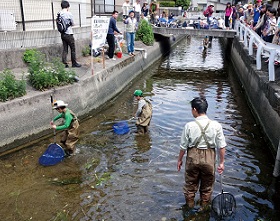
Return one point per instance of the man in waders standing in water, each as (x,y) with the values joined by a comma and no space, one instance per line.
(143,113)
(70,127)
(201,138)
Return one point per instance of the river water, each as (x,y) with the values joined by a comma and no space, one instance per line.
(129,177)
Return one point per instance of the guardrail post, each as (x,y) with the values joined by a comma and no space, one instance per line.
(258,57)
(240,33)
(251,42)
(271,68)
(245,38)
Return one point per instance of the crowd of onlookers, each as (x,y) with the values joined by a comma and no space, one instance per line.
(262,18)
(149,12)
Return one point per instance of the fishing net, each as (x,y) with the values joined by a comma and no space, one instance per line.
(224,204)
(53,155)
(121,127)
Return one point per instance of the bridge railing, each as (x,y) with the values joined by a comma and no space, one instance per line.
(250,39)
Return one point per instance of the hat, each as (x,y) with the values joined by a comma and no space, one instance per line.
(259,0)
(211,4)
(59,103)
(138,93)
(130,12)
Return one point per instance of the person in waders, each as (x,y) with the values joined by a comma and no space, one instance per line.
(201,139)
(70,126)
(143,113)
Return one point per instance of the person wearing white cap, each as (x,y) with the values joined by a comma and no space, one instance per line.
(70,126)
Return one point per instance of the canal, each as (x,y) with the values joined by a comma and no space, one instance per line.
(129,177)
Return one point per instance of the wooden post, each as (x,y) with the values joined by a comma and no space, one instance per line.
(103,57)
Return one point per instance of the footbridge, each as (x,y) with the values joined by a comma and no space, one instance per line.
(195,32)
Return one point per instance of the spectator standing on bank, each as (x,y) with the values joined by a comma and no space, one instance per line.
(262,21)
(137,10)
(208,13)
(228,15)
(277,31)
(110,35)
(70,126)
(249,15)
(257,12)
(270,25)
(126,7)
(153,11)
(130,30)
(145,9)
(234,16)
(240,14)
(67,37)
(201,139)
(142,17)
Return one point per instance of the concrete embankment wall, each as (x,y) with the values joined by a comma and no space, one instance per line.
(27,118)
(263,96)
(14,44)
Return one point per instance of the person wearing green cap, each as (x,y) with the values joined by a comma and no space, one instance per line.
(69,128)
(143,113)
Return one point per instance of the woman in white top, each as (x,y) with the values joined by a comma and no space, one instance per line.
(130,30)
(137,10)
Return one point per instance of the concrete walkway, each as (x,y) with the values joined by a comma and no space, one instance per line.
(90,66)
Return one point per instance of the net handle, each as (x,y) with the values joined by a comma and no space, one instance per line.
(221,180)
(221,174)
(54,133)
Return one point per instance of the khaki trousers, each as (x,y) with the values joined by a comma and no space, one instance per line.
(200,169)
(71,136)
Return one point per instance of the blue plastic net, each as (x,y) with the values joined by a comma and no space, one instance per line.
(121,127)
(53,155)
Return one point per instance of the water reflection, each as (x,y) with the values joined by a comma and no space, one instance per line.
(128,177)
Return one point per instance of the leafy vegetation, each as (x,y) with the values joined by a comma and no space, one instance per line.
(167,4)
(43,75)
(183,3)
(86,51)
(11,88)
(145,33)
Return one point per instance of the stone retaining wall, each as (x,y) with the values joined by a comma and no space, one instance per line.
(263,96)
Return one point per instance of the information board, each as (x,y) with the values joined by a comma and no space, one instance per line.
(99,29)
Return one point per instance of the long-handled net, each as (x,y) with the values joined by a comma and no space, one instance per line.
(224,204)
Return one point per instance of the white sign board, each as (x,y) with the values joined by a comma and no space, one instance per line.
(99,29)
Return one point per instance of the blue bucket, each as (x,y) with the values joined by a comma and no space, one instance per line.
(121,127)
(53,155)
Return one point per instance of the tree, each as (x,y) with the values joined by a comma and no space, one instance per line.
(184,3)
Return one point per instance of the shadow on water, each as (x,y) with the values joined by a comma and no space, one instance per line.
(129,177)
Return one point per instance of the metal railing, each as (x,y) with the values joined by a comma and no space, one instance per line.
(250,39)
(30,15)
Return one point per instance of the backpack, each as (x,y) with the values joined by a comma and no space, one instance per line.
(61,24)
(206,13)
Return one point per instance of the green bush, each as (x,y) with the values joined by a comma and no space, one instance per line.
(11,88)
(167,4)
(86,51)
(145,33)
(43,75)
(29,55)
